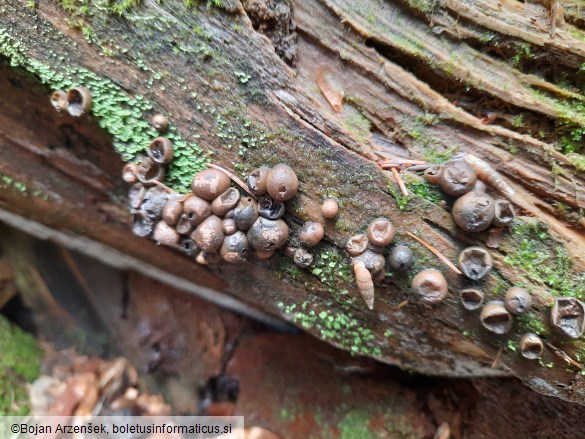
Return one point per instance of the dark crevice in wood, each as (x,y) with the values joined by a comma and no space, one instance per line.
(484,106)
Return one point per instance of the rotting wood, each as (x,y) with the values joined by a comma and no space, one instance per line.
(224,88)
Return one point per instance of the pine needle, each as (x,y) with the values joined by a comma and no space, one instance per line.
(235,178)
(400,182)
(436,252)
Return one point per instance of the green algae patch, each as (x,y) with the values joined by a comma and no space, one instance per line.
(531,322)
(7,182)
(423,189)
(123,116)
(19,364)
(336,327)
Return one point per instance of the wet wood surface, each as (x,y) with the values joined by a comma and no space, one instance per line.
(413,87)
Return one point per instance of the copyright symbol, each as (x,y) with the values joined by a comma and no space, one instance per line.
(15,428)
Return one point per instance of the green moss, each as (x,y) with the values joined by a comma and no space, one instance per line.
(340,328)
(523,52)
(85,8)
(437,156)
(531,322)
(425,190)
(401,199)
(573,141)
(7,182)
(242,77)
(511,345)
(356,123)
(568,213)
(578,162)
(486,37)
(210,3)
(356,425)
(286,268)
(19,364)
(544,260)
(518,121)
(121,115)
(426,6)
(332,268)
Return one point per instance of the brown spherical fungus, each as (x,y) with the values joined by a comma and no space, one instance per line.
(210,183)
(568,316)
(160,123)
(457,178)
(245,213)
(78,101)
(188,246)
(518,301)
(209,234)
(229,226)
(430,286)
(503,213)
(160,150)
(184,226)
(235,248)
(154,202)
(357,244)
(225,202)
(474,211)
(258,179)
(196,209)
(206,258)
(471,298)
(164,234)
(495,317)
(329,208)
(269,208)
(263,254)
(303,258)
(148,172)
(475,262)
(381,232)
(311,233)
(142,225)
(282,183)
(401,258)
(129,172)
(59,101)
(267,235)
(172,211)
(136,195)
(373,261)
(433,174)
(531,346)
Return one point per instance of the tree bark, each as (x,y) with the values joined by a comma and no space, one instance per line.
(419,79)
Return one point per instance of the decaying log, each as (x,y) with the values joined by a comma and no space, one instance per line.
(420,79)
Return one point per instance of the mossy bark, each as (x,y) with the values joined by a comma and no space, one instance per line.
(420,79)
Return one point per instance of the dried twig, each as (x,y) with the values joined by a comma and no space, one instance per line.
(563,355)
(418,168)
(399,163)
(436,252)
(164,187)
(401,305)
(497,359)
(235,178)
(400,182)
